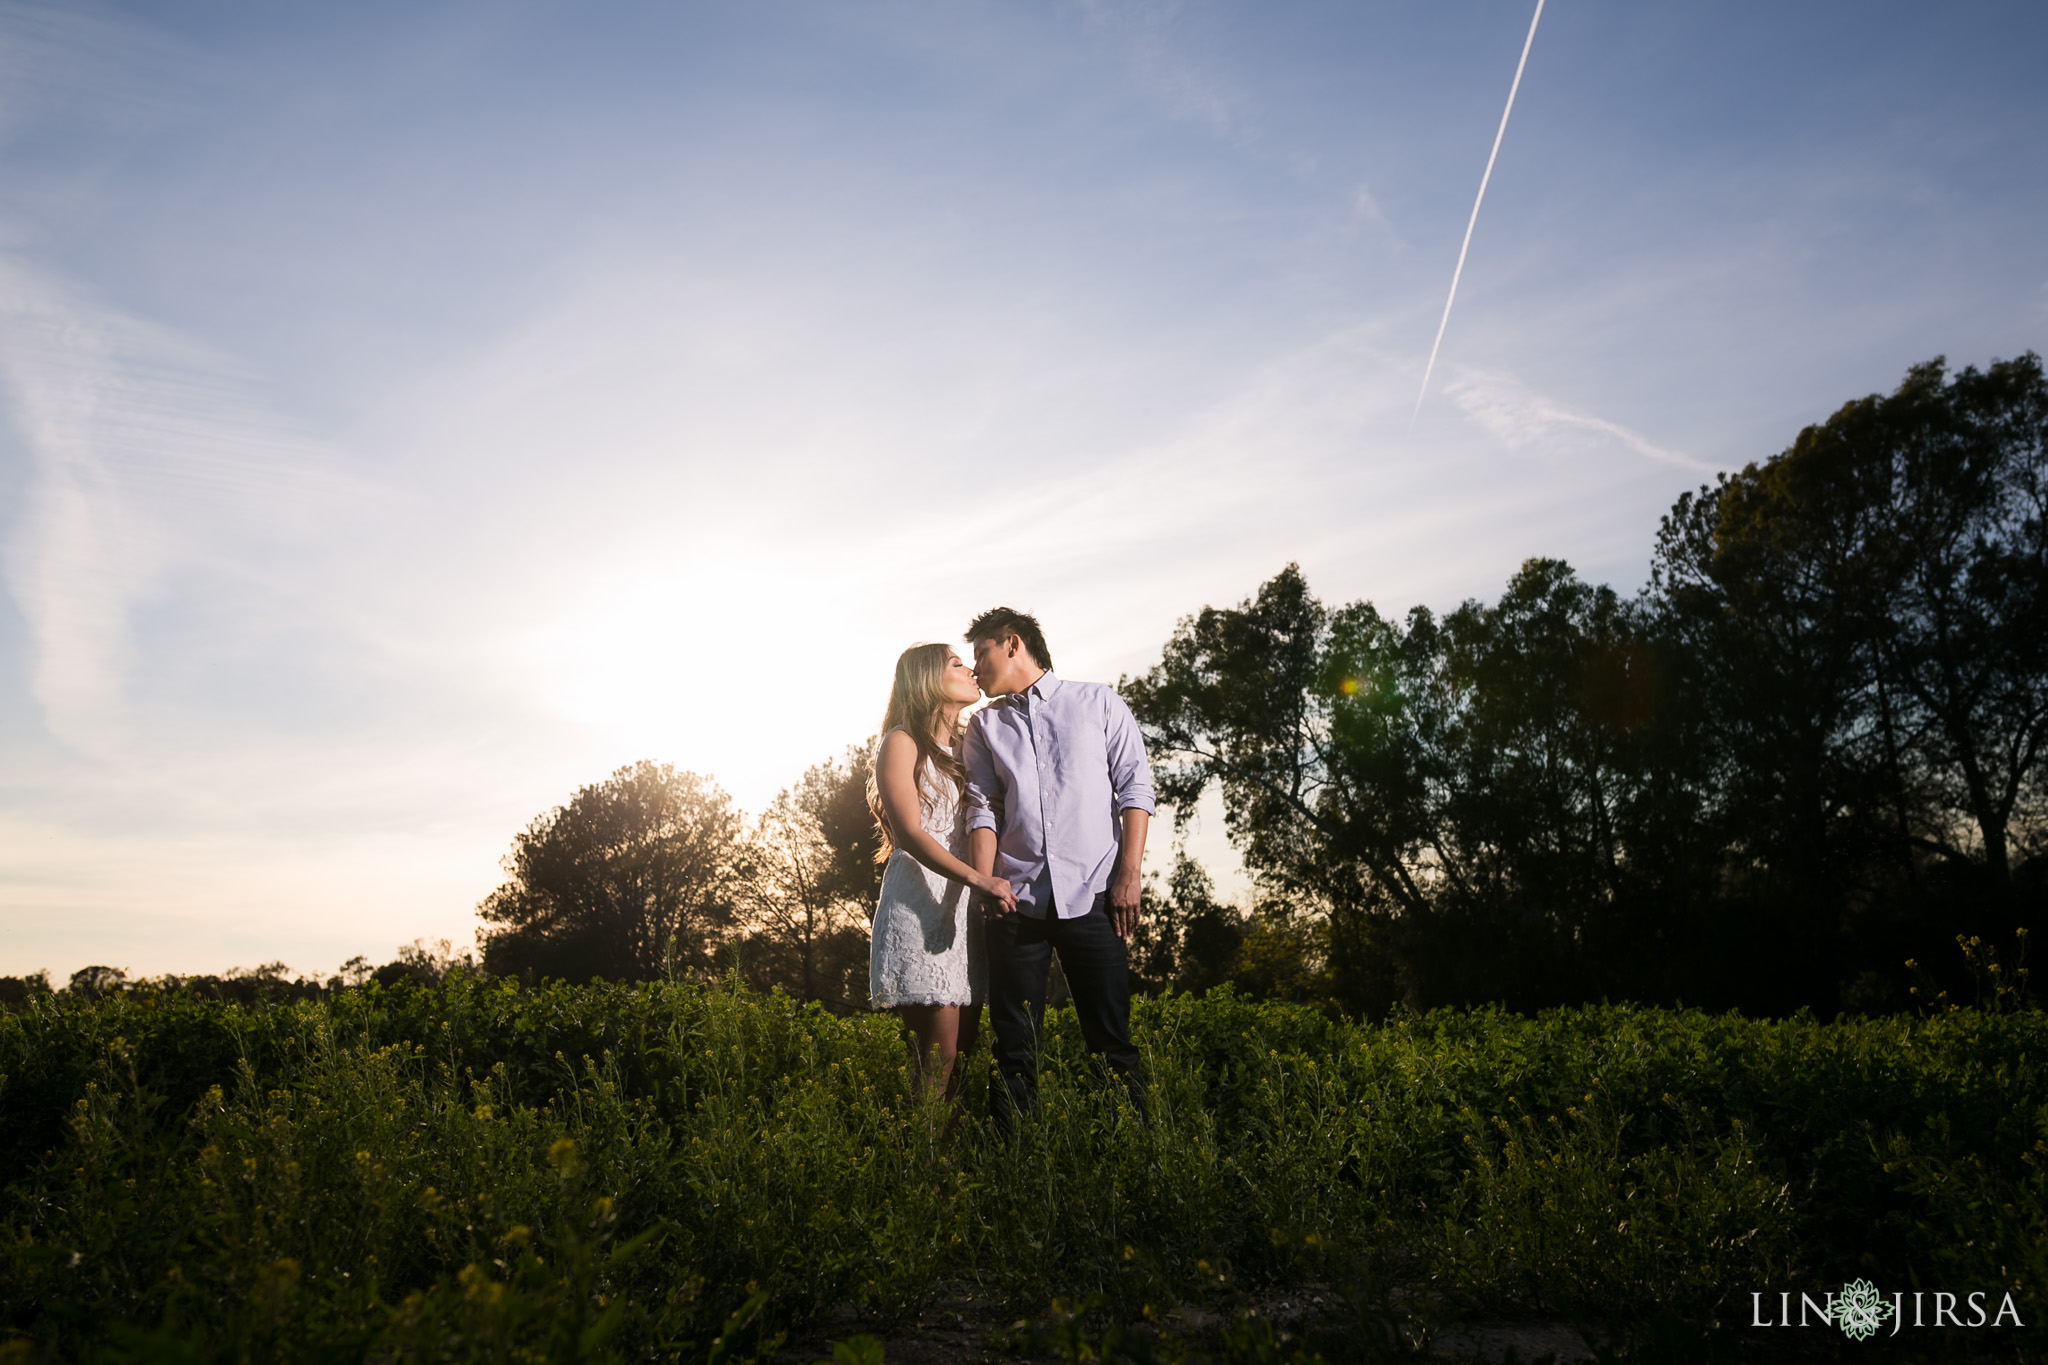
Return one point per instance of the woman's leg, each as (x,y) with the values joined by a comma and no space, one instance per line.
(968,1030)
(935,1031)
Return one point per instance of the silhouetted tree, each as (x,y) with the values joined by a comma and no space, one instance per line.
(812,886)
(267,982)
(93,982)
(1185,939)
(1211,932)
(1457,796)
(836,795)
(1962,636)
(16,992)
(420,962)
(1817,738)
(1770,582)
(634,875)
(1865,623)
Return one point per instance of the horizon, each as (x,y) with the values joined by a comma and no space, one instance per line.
(416,414)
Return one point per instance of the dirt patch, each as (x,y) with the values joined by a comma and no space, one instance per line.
(968,1329)
(1491,1342)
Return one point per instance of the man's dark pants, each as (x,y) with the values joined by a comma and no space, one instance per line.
(1020,949)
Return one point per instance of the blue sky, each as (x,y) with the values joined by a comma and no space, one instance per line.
(411,412)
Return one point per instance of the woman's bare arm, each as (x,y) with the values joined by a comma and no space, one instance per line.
(981,852)
(896,781)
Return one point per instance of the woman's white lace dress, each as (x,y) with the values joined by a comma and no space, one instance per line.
(926,947)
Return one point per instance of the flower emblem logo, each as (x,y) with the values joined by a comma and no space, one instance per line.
(1860,1310)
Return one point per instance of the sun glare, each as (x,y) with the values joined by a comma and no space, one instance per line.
(697,663)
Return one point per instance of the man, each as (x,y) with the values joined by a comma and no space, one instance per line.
(1059,801)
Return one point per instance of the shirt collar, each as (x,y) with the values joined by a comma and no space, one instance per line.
(1046,685)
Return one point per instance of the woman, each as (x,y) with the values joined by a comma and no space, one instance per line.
(925,957)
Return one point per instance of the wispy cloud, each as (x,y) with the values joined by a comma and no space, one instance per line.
(91,63)
(1155,36)
(1366,208)
(146,452)
(1523,419)
(675,339)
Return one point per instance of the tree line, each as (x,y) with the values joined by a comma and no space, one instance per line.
(1800,763)
(1798,767)
(1795,769)
(1808,756)
(419,962)
(655,873)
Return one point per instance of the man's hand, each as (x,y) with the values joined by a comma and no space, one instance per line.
(1124,891)
(997,898)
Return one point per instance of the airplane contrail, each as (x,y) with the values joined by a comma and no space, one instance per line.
(1474,220)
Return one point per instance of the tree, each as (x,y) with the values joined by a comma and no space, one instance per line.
(17,991)
(1185,939)
(94,982)
(1456,797)
(1211,932)
(1865,617)
(1817,743)
(1234,701)
(1964,637)
(813,885)
(1769,583)
(420,962)
(635,875)
(1246,698)
(835,793)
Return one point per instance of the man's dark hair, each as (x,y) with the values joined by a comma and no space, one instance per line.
(999,623)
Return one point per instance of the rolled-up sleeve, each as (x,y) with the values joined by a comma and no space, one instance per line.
(981,777)
(1130,776)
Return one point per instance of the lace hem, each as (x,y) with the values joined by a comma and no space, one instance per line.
(890,1002)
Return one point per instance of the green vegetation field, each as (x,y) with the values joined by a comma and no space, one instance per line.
(483,1170)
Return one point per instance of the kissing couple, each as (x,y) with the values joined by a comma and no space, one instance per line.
(1038,806)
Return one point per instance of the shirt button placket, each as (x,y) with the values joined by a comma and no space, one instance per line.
(1044,814)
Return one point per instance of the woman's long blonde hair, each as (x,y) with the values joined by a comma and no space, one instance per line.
(916,701)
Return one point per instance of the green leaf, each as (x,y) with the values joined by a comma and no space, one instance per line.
(857,1350)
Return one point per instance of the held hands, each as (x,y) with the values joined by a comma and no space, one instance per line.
(996,896)
(1124,890)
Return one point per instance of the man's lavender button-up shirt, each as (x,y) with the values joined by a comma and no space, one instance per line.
(1063,760)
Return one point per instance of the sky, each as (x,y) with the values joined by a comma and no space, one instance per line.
(410,413)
